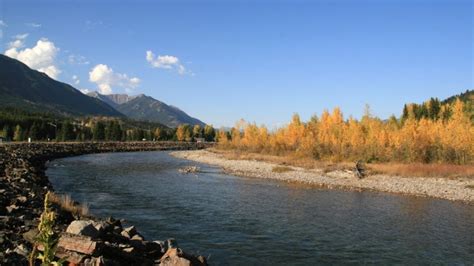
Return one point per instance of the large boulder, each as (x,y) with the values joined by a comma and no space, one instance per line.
(83,228)
(174,257)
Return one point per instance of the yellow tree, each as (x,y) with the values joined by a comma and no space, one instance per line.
(183,133)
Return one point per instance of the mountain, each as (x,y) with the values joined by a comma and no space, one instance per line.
(113,100)
(24,88)
(145,108)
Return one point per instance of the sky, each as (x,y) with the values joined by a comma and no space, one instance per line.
(262,61)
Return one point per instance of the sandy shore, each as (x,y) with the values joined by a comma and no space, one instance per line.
(459,189)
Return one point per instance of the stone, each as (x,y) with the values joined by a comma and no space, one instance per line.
(21,250)
(102,227)
(31,235)
(22,199)
(131,230)
(137,237)
(172,257)
(77,243)
(125,234)
(129,250)
(12,208)
(82,227)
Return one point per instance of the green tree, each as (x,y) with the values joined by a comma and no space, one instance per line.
(197,131)
(113,131)
(209,133)
(67,132)
(8,132)
(98,131)
(34,132)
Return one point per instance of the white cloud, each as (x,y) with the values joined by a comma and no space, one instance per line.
(33,25)
(105,78)
(166,62)
(19,41)
(2,25)
(40,57)
(76,80)
(77,60)
(85,91)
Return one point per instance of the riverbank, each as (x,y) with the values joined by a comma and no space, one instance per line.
(457,189)
(23,185)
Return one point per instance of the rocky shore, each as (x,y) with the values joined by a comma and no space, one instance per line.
(458,189)
(83,240)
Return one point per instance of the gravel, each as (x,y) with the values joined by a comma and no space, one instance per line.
(444,188)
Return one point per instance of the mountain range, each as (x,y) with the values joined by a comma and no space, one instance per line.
(24,88)
(145,108)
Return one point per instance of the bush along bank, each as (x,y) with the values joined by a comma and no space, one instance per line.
(80,239)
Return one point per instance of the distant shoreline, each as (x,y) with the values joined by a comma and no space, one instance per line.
(458,189)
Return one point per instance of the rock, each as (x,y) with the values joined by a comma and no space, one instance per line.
(137,237)
(102,227)
(94,261)
(21,250)
(125,234)
(31,235)
(82,227)
(12,208)
(117,229)
(131,230)
(22,199)
(129,250)
(77,243)
(172,258)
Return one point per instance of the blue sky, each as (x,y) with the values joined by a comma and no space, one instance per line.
(258,60)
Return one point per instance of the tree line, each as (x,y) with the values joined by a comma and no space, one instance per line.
(437,135)
(21,126)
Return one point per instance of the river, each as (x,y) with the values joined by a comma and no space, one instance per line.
(247,221)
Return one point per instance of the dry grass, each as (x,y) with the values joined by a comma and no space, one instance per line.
(281,169)
(470,186)
(66,203)
(424,170)
(404,170)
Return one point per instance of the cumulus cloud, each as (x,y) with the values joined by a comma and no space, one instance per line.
(76,80)
(40,57)
(166,62)
(18,42)
(106,78)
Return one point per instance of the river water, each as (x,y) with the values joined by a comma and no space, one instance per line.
(247,221)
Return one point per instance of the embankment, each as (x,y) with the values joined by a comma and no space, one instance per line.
(458,189)
(23,184)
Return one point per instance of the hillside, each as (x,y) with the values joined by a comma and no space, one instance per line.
(146,108)
(435,108)
(24,88)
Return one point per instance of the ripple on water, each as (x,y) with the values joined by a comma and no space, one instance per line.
(249,221)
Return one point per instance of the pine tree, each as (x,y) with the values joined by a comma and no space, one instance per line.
(34,131)
(98,131)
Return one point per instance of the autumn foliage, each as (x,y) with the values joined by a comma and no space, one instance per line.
(446,139)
